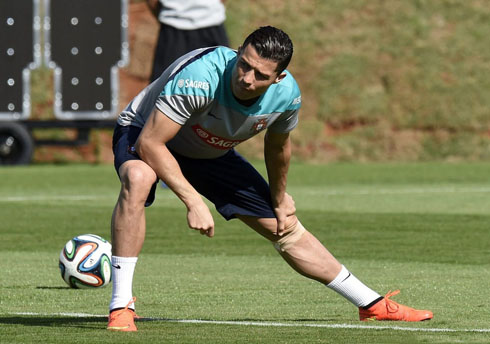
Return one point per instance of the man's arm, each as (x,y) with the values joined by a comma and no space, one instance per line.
(277,153)
(154,6)
(151,147)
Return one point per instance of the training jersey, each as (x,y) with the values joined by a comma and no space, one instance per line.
(195,92)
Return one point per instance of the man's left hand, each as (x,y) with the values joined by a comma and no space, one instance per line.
(282,210)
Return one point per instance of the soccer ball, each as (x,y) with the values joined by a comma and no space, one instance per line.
(85,262)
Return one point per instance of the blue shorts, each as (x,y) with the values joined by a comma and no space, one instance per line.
(230,181)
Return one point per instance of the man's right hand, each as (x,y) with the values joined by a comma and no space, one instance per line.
(199,218)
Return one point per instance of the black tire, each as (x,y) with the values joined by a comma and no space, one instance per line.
(16,144)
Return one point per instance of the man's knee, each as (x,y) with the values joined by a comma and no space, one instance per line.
(137,176)
(294,232)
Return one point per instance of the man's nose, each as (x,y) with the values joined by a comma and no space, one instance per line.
(248,77)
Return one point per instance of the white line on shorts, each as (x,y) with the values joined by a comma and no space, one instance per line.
(270,324)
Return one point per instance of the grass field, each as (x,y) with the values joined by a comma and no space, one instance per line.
(421,228)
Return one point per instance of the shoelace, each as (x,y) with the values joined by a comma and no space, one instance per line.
(133,300)
(391,306)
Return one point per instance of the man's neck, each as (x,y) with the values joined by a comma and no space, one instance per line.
(246,102)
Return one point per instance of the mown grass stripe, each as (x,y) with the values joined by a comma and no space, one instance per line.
(360,192)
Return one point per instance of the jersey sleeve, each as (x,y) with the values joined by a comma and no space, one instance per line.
(189,90)
(288,120)
(180,108)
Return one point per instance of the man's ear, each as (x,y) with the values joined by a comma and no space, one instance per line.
(280,77)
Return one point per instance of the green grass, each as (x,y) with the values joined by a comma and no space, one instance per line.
(421,228)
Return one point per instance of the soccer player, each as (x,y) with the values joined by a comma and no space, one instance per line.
(182,129)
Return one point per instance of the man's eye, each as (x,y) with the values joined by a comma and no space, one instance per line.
(244,65)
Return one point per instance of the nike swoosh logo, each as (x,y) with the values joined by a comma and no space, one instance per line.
(117,266)
(214,116)
(346,277)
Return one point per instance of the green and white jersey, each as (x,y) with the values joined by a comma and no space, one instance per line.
(195,91)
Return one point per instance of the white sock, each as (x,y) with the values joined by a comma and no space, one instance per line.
(122,281)
(347,285)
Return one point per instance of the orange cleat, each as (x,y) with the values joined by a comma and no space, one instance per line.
(123,319)
(387,309)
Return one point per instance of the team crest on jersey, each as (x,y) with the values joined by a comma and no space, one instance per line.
(260,125)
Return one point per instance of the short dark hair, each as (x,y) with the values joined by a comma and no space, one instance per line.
(273,44)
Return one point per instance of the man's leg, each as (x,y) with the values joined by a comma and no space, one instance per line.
(309,257)
(243,190)
(304,253)
(128,219)
(128,229)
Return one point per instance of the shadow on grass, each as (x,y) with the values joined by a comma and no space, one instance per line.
(50,321)
(91,321)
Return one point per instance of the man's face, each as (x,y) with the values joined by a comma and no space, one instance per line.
(252,74)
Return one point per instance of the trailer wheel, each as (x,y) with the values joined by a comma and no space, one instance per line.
(16,144)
